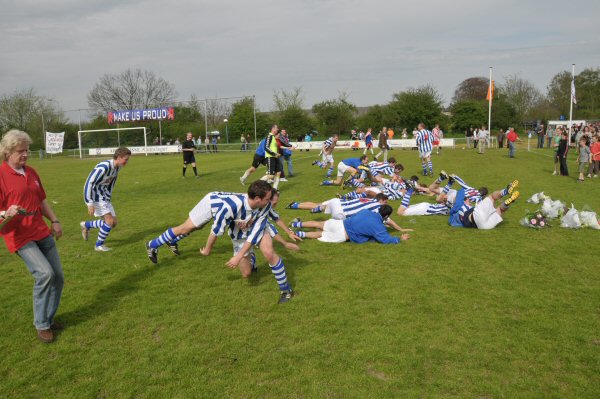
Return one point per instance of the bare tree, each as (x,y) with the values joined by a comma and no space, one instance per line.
(130,90)
(474,89)
(522,94)
(216,111)
(284,100)
(24,109)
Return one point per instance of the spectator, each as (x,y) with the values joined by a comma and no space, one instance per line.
(549,136)
(469,136)
(243,140)
(511,138)
(286,152)
(584,158)
(215,149)
(595,148)
(541,134)
(500,137)
(563,150)
(404,133)
(22,208)
(555,144)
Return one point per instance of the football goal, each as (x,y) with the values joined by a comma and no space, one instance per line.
(106,141)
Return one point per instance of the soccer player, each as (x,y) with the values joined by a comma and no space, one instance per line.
(188,147)
(363,227)
(441,207)
(97,194)
(350,165)
(424,144)
(341,209)
(382,143)
(271,155)
(235,212)
(259,159)
(368,142)
(389,168)
(438,135)
(327,154)
(484,214)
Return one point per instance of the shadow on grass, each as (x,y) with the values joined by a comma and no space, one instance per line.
(107,298)
(264,274)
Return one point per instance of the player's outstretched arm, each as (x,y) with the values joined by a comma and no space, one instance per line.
(283,225)
(396,226)
(235,261)
(210,242)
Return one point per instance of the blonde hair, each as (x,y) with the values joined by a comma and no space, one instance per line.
(11,140)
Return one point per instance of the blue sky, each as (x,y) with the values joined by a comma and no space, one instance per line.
(368,49)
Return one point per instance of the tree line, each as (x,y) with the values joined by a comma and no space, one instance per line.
(516,102)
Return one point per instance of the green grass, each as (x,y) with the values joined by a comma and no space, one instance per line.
(512,312)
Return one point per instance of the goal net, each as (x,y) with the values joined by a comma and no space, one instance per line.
(99,142)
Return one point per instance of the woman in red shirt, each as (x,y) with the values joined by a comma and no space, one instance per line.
(22,205)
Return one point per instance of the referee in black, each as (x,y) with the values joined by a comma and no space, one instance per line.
(188,149)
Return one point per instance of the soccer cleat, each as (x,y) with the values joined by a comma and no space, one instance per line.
(152,253)
(513,197)
(242,181)
(286,296)
(314,163)
(443,175)
(289,206)
(294,220)
(102,248)
(512,186)
(85,232)
(451,178)
(174,248)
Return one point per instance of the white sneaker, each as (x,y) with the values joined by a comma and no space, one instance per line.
(283,179)
(554,173)
(85,232)
(102,248)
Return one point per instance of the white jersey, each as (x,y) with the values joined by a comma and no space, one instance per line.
(100,183)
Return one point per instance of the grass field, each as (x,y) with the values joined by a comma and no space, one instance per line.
(511,312)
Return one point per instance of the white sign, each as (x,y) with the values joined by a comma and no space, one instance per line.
(152,149)
(401,143)
(54,142)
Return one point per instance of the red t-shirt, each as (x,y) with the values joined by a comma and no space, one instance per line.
(27,192)
(512,136)
(595,148)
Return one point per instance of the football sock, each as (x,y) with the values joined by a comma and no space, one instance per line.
(301,234)
(446,188)
(430,165)
(406,198)
(329,172)
(167,236)
(93,224)
(424,166)
(184,169)
(178,238)
(326,183)
(102,234)
(316,209)
(297,225)
(294,205)
(278,271)
(195,171)
(253,262)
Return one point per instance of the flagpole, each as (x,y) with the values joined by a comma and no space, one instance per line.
(491,93)
(571,110)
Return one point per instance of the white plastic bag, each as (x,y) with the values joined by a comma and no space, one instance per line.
(537,198)
(589,219)
(571,219)
(552,209)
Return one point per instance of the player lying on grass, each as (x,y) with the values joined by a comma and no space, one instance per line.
(97,194)
(444,199)
(377,170)
(481,213)
(229,211)
(341,209)
(363,227)
(350,165)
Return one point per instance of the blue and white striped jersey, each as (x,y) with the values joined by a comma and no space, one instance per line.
(383,168)
(100,183)
(327,145)
(424,140)
(352,207)
(392,190)
(229,207)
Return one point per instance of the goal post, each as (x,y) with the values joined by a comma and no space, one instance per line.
(111,130)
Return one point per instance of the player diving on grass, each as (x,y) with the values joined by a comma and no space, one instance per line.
(475,209)
(236,212)
(444,199)
(363,227)
(97,194)
(350,165)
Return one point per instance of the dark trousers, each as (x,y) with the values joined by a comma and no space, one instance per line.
(564,169)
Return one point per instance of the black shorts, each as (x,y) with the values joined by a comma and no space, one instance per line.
(272,165)
(188,157)
(258,160)
(467,219)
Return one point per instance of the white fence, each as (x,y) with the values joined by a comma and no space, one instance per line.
(401,143)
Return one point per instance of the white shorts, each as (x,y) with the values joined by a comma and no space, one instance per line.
(333,231)
(342,168)
(201,213)
(327,158)
(424,154)
(333,207)
(485,215)
(237,246)
(103,208)
(373,189)
(451,196)
(419,209)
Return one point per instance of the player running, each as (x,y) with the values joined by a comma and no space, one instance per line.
(424,144)
(97,194)
(327,154)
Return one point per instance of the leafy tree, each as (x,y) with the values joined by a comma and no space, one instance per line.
(410,107)
(131,89)
(376,117)
(559,92)
(503,113)
(242,119)
(468,113)
(474,89)
(290,113)
(335,116)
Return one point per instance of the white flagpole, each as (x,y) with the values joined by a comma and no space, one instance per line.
(571,110)
(490,105)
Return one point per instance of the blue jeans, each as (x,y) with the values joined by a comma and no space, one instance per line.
(288,160)
(511,149)
(43,262)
